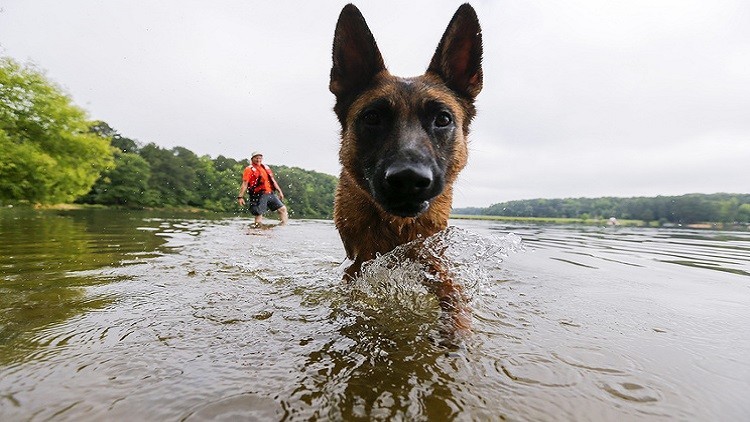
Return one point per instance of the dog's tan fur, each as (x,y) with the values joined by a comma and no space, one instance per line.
(359,80)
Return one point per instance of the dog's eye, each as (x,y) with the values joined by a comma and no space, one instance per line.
(371,118)
(443,119)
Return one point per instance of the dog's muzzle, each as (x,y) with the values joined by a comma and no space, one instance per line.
(405,188)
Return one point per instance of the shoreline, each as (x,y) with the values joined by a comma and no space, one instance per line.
(603,222)
(715,226)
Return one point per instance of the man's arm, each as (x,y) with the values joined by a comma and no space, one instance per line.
(276,186)
(241,195)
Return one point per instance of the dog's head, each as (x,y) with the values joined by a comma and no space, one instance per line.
(404,140)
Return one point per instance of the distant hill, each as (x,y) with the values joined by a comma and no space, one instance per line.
(684,209)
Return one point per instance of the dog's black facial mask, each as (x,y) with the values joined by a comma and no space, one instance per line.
(405,143)
(405,134)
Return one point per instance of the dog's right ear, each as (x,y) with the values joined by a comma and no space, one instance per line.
(356,57)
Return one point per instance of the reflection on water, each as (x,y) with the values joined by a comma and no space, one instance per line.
(39,255)
(113,315)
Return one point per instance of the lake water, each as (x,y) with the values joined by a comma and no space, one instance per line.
(113,315)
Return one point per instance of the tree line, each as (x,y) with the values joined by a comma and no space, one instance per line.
(47,154)
(151,176)
(51,153)
(683,209)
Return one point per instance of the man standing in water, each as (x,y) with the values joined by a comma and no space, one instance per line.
(258,181)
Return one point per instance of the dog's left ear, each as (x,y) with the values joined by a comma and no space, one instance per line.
(458,58)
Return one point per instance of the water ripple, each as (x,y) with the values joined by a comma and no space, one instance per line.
(224,321)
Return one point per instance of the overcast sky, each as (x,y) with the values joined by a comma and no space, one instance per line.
(581,98)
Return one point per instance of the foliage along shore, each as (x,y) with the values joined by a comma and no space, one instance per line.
(601,222)
(720,210)
(550,220)
(50,153)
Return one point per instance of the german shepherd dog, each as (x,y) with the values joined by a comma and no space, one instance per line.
(403,140)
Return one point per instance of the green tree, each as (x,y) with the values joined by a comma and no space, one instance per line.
(188,165)
(173,176)
(47,153)
(720,207)
(309,194)
(743,213)
(104,130)
(218,183)
(125,184)
(729,210)
(688,209)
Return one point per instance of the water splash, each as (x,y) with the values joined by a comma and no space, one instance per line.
(400,280)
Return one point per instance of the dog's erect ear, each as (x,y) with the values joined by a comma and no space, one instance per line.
(356,58)
(458,58)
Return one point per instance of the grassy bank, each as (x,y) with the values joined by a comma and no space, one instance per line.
(69,207)
(602,222)
(545,220)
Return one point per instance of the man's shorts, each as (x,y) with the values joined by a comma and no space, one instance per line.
(259,204)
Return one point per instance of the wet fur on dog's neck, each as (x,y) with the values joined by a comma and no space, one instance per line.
(376,231)
(404,140)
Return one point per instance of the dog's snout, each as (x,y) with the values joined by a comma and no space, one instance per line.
(406,187)
(409,180)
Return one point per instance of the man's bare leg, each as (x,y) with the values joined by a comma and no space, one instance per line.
(283,215)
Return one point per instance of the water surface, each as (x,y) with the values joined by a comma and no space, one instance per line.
(123,316)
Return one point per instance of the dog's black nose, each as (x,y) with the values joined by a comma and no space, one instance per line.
(409,181)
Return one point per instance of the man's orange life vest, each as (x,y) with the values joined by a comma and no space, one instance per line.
(258,179)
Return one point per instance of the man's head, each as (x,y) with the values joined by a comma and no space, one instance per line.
(256,158)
